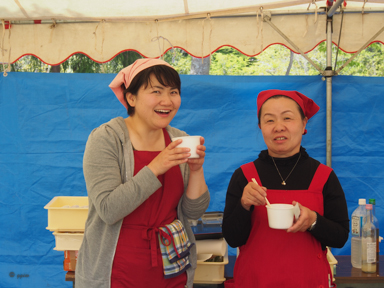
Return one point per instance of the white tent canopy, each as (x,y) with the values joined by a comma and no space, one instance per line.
(53,30)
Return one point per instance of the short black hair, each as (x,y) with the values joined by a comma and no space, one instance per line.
(166,76)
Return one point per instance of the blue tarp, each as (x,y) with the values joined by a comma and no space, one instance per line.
(45,120)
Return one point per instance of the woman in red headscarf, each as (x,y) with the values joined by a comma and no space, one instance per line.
(285,173)
(142,188)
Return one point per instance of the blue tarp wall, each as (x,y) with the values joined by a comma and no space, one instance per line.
(45,120)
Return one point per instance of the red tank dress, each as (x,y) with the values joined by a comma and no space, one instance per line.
(274,258)
(137,261)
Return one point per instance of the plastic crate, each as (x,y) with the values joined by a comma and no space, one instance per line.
(67,213)
(209,226)
(211,272)
(68,240)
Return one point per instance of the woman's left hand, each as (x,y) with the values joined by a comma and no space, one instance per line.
(307,217)
(195,164)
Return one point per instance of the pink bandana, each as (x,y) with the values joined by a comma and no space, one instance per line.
(128,73)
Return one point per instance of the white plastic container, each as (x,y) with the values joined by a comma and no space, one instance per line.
(210,272)
(67,213)
(356,229)
(68,240)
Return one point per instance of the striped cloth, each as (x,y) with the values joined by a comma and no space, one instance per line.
(175,247)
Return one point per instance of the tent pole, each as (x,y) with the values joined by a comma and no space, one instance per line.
(329,73)
(334,7)
(329,92)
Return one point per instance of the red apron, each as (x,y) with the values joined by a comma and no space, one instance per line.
(138,261)
(274,258)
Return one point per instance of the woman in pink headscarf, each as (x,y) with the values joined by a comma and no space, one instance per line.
(142,188)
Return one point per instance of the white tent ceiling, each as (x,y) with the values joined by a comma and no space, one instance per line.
(53,30)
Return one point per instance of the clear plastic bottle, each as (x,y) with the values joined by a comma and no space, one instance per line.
(356,228)
(368,242)
(376,223)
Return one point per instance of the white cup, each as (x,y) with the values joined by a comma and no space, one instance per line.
(190,142)
(280,216)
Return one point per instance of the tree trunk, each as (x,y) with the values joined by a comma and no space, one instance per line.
(199,66)
(55,69)
(290,63)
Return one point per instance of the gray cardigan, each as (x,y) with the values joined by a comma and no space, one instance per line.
(113,193)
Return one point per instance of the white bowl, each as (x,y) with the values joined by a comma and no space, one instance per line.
(280,216)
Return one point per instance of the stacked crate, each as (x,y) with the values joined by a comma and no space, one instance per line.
(209,228)
(66,219)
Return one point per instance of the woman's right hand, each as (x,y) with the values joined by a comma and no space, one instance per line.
(169,157)
(253,194)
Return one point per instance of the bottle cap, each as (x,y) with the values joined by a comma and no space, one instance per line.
(368,206)
(362,201)
(372,201)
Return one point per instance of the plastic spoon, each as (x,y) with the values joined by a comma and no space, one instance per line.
(266,200)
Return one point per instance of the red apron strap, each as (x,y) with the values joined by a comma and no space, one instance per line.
(249,171)
(321,177)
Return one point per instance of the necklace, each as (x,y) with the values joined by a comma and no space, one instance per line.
(283,183)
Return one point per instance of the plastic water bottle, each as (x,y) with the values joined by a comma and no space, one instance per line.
(368,241)
(376,223)
(356,228)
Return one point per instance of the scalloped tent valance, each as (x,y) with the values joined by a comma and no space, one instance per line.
(53,30)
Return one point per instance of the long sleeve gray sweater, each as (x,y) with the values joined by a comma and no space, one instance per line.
(113,193)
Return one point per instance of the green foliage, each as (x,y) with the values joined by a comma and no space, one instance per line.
(179,59)
(229,61)
(275,60)
(121,60)
(28,64)
(80,63)
(368,63)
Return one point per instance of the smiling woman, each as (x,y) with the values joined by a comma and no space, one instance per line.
(158,77)
(141,185)
(151,109)
(286,174)
(282,125)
